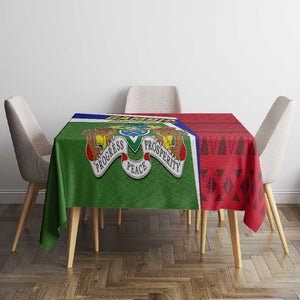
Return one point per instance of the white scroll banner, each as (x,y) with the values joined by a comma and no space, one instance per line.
(136,169)
(165,157)
(114,149)
(140,168)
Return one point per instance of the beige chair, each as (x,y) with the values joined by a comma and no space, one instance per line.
(33,153)
(157,99)
(271,141)
(152,99)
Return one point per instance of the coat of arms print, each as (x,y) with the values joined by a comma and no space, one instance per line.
(151,158)
(136,143)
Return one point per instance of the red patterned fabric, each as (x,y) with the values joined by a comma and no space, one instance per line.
(229,166)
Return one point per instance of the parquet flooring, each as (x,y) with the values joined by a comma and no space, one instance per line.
(152,255)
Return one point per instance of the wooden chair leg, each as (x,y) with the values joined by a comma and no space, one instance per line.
(28,197)
(274,210)
(221,215)
(101,219)
(269,213)
(189,217)
(73,229)
(84,214)
(119,216)
(31,206)
(95,228)
(235,238)
(203,230)
(197,221)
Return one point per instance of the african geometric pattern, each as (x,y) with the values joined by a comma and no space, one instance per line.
(230,175)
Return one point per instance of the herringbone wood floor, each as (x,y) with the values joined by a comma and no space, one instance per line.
(153,255)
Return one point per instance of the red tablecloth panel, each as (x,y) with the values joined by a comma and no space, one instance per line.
(229,166)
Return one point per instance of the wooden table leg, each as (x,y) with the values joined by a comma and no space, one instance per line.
(101,219)
(203,230)
(119,216)
(197,221)
(235,238)
(269,213)
(221,215)
(95,228)
(73,229)
(189,217)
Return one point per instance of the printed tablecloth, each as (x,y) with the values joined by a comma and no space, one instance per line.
(230,174)
(122,162)
(228,163)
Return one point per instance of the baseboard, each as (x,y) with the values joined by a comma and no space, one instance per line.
(287,196)
(17,196)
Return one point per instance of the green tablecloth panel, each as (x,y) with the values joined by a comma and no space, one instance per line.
(114,164)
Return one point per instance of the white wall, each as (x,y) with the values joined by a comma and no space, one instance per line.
(67,56)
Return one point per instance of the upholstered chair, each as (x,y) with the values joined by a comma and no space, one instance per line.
(157,99)
(271,140)
(152,99)
(32,151)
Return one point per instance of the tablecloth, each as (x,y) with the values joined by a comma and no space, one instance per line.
(122,162)
(228,166)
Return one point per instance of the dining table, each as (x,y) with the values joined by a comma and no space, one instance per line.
(192,161)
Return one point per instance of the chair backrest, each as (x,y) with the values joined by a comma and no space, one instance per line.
(152,99)
(28,139)
(272,137)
